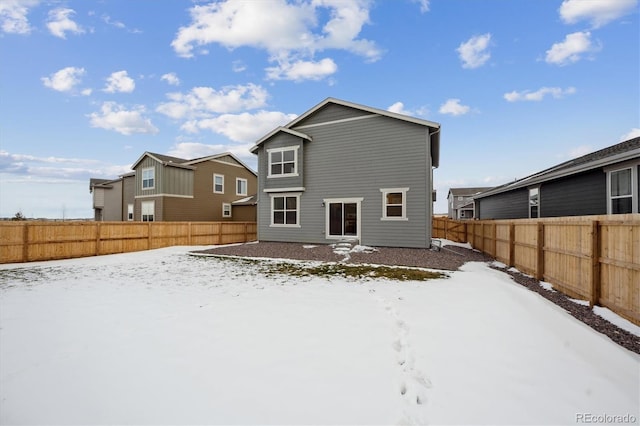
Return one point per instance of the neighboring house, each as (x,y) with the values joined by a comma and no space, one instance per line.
(164,188)
(347,171)
(460,202)
(603,182)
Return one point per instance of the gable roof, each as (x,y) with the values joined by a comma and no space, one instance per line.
(623,151)
(167,160)
(435,142)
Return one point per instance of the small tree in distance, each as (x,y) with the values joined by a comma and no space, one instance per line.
(19,216)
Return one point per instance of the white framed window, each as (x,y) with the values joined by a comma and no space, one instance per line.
(534,202)
(394,203)
(226,210)
(218,184)
(241,186)
(283,162)
(129,212)
(285,210)
(147,210)
(620,189)
(148,178)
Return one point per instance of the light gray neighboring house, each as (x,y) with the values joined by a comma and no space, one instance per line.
(461,204)
(113,199)
(348,171)
(602,182)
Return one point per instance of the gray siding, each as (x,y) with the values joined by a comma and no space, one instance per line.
(508,205)
(331,112)
(281,140)
(577,195)
(355,159)
(168,180)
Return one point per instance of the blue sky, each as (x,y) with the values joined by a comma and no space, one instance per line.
(518,85)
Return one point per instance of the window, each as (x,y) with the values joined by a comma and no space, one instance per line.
(284,210)
(218,184)
(534,202)
(147,209)
(129,212)
(241,186)
(621,191)
(226,210)
(394,203)
(148,178)
(283,162)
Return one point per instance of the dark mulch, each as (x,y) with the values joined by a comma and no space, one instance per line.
(449,258)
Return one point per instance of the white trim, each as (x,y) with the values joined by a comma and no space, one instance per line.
(130,211)
(285,225)
(358,202)
(293,148)
(215,175)
(223,211)
(635,195)
(386,191)
(342,120)
(142,179)
(291,189)
(529,201)
(246,186)
(163,195)
(226,163)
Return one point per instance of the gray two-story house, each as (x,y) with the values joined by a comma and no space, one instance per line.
(460,202)
(348,171)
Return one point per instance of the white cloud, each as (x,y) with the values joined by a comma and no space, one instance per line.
(539,94)
(238,66)
(598,12)
(453,107)
(205,101)
(285,30)
(571,49)
(633,133)
(474,52)
(13,15)
(424,5)
(171,78)
(60,22)
(119,81)
(65,79)
(398,108)
(579,151)
(127,122)
(302,70)
(245,127)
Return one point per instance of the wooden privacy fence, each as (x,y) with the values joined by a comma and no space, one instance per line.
(28,241)
(594,258)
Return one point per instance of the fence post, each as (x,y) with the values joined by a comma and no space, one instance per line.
(98,238)
(540,248)
(594,297)
(220,232)
(246,233)
(25,242)
(189,236)
(494,244)
(149,236)
(512,244)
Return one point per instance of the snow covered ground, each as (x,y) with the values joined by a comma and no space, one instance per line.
(161,337)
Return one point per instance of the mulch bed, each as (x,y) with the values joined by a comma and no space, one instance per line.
(450,258)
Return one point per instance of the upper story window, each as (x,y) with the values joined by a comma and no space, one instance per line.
(218,184)
(148,178)
(621,191)
(534,202)
(283,162)
(241,186)
(394,203)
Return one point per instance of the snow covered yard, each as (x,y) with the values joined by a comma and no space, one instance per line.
(161,337)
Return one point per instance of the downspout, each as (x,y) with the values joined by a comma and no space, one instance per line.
(429,194)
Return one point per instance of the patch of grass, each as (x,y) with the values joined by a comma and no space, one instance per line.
(351,271)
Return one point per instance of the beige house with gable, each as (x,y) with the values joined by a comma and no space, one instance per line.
(164,188)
